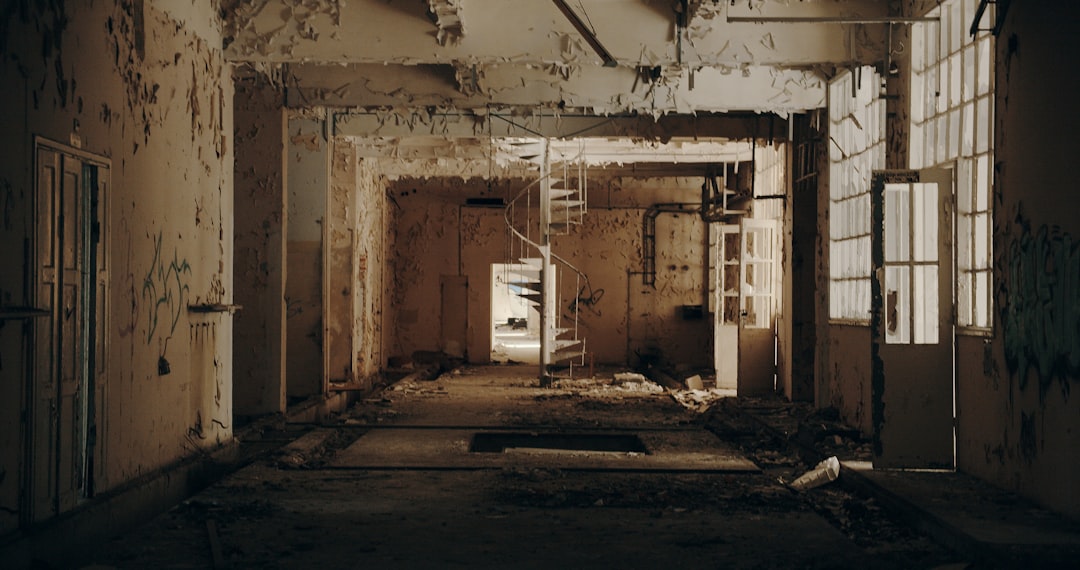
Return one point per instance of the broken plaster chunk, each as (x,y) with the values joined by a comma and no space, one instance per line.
(629,377)
(825,472)
(694,383)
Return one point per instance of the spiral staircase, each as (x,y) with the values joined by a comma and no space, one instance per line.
(549,206)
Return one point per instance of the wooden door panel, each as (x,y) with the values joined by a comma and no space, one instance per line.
(911,322)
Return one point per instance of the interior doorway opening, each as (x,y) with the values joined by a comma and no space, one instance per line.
(515,322)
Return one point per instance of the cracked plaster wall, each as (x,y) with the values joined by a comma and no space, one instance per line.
(160,108)
(259,262)
(359,239)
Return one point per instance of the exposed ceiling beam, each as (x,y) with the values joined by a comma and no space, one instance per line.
(594,88)
(464,124)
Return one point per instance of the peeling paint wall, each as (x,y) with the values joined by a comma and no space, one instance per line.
(307,166)
(372,261)
(259,264)
(358,240)
(159,105)
(1019,422)
(436,235)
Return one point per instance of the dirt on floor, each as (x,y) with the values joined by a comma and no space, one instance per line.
(333,499)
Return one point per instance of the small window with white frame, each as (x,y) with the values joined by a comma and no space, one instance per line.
(952,96)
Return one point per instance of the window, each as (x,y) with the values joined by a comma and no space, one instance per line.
(952,122)
(856,149)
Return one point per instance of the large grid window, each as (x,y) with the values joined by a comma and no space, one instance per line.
(856,149)
(952,91)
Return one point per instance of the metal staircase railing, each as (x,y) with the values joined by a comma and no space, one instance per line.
(560,208)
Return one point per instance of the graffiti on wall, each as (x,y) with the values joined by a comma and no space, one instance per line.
(164,289)
(1039,302)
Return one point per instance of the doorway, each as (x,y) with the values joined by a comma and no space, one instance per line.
(745,321)
(515,321)
(66,388)
(911,319)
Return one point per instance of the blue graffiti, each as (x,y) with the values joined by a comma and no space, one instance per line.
(165,288)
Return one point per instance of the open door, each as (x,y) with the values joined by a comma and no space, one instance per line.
(911,320)
(745,349)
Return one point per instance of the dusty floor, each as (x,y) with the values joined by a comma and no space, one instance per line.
(392,484)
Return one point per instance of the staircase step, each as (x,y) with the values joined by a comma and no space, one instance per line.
(563,343)
(531,297)
(557,193)
(565,204)
(567,356)
(532,262)
(530,285)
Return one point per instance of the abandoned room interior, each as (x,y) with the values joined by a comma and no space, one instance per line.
(221,218)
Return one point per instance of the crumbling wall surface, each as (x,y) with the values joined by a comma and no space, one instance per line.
(371,264)
(258,340)
(426,245)
(1019,423)
(341,242)
(307,167)
(156,99)
(626,320)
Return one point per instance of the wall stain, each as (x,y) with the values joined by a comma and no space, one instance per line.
(1039,301)
(165,287)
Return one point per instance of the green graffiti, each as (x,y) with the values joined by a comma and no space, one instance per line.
(165,288)
(1040,306)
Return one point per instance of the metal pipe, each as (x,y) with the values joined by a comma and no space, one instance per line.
(829,19)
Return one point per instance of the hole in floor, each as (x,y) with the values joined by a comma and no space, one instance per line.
(498,442)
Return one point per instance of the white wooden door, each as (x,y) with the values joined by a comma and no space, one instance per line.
(745,326)
(911,319)
(727,304)
(757,319)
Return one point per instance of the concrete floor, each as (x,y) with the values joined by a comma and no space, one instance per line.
(391,484)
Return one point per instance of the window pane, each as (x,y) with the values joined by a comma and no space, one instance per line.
(983,67)
(942,139)
(963,185)
(954,134)
(956,70)
(897,305)
(930,148)
(963,242)
(982,182)
(942,101)
(982,299)
(963,299)
(918,49)
(925,305)
(897,224)
(925,222)
(969,73)
(916,141)
(981,233)
(956,31)
(967,142)
(944,26)
(982,119)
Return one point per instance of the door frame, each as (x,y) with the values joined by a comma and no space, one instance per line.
(94,347)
